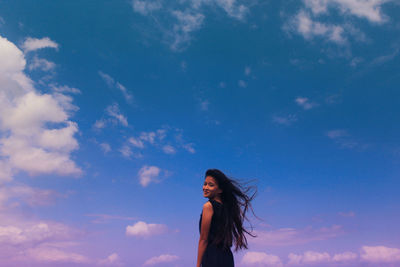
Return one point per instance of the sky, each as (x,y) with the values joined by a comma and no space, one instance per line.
(112,111)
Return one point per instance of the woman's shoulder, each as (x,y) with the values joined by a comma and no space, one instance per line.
(214,203)
(208,205)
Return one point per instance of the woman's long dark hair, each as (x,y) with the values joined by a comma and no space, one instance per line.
(235,204)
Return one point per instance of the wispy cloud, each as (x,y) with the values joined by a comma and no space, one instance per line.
(242,84)
(345,140)
(164,258)
(27,195)
(347,214)
(114,112)
(106,218)
(168,149)
(187,22)
(305,103)
(284,120)
(309,257)
(145,7)
(166,139)
(114,84)
(112,260)
(64,89)
(370,10)
(292,236)
(385,58)
(105,147)
(253,258)
(247,71)
(311,19)
(179,20)
(32,44)
(304,25)
(41,64)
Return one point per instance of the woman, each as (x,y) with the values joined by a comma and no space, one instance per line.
(221,221)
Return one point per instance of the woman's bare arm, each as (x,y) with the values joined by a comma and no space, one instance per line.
(204,230)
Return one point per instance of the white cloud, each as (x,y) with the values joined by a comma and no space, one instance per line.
(143,229)
(305,103)
(150,137)
(284,120)
(114,84)
(29,195)
(291,236)
(304,25)
(6,171)
(380,254)
(158,139)
(25,241)
(345,140)
(309,257)
(385,58)
(105,147)
(164,258)
(148,174)
(106,218)
(49,154)
(64,89)
(189,148)
(187,23)
(233,9)
(204,104)
(247,71)
(136,142)
(126,151)
(345,257)
(99,124)
(261,259)
(347,214)
(242,84)
(28,143)
(52,254)
(145,7)
(113,111)
(107,78)
(111,260)
(41,64)
(32,44)
(168,149)
(321,258)
(333,134)
(368,9)
(312,20)
(188,16)
(32,233)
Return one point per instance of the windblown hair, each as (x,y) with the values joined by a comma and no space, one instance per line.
(235,205)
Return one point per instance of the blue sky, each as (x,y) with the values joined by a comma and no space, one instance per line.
(112,111)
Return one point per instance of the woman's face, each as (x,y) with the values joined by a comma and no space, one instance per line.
(210,188)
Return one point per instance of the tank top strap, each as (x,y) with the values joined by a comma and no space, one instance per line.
(215,204)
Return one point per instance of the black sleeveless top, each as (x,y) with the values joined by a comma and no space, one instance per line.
(215,221)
